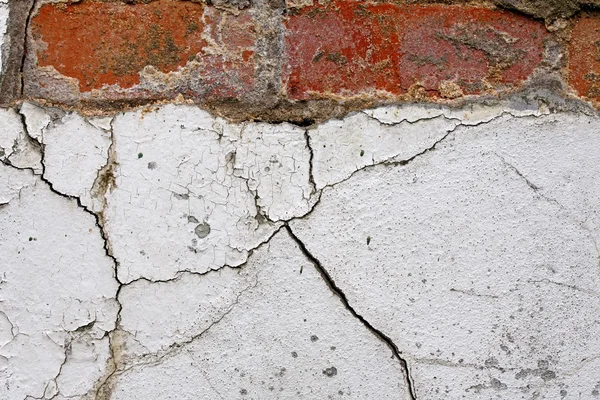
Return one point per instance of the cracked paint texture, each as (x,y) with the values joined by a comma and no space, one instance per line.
(412,252)
(57,292)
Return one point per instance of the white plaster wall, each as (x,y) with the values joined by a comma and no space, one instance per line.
(3,28)
(402,252)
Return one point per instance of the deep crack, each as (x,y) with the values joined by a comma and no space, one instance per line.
(25,50)
(342,296)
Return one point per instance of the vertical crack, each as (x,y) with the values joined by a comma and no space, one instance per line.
(98,189)
(311,176)
(342,296)
(24,55)
(13,51)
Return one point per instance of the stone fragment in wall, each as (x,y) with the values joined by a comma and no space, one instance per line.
(350,49)
(130,53)
(284,335)
(195,193)
(478,259)
(58,292)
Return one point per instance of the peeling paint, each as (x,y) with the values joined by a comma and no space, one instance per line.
(299,210)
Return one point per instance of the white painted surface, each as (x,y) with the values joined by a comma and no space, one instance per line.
(468,237)
(16,147)
(3,28)
(486,283)
(281,334)
(57,291)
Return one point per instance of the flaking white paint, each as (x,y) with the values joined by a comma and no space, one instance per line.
(467,236)
(55,279)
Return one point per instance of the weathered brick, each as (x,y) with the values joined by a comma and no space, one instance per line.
(351,48)
(13,45)
(584,56)
(117,51)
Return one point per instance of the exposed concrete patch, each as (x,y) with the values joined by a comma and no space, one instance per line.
(3,29)
(12,50)
(548,10)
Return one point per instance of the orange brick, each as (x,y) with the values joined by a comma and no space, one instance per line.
(584,56)
(104,46)
(351,48)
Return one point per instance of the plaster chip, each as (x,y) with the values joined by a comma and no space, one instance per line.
(36,119)
(75,151)
(341,147)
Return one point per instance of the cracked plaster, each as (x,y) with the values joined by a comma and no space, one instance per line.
(401,252)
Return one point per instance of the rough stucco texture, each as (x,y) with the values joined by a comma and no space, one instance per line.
(417,215)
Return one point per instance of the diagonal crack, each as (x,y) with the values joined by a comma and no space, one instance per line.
(342,296)
(104,388)
(538,190)
(533,186)
(116,369)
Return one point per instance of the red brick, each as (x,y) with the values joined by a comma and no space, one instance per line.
(105,45)
(351,48)
(584,56)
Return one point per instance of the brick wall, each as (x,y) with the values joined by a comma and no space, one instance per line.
(302,199)
(273,59)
